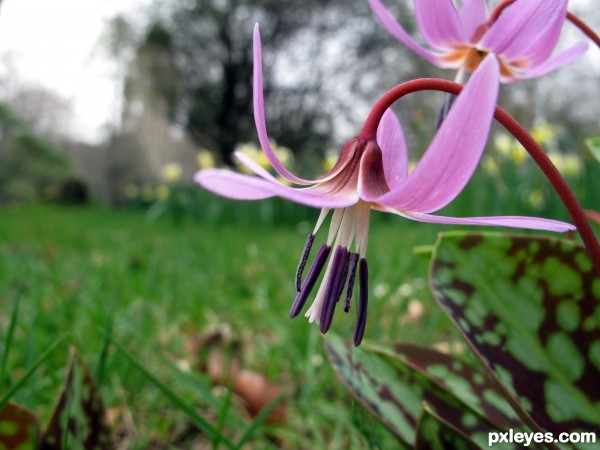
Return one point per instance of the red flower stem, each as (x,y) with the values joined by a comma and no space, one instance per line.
(369,132)
(585,28)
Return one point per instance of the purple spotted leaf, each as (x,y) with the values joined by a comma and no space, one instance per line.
(18,428)
(530,309)
(434,433)
(79,417)
(393,388)
(471,385)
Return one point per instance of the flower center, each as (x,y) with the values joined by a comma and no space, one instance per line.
(349,226)
(470,57)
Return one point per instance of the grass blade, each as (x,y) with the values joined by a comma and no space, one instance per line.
(259,419)
(222,417)
(101,364)
(197,419)
(9,336)
(25,377)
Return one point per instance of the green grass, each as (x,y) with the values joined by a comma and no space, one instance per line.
(151,286)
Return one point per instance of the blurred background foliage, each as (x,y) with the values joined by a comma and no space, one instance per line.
(184,79)
(32,168)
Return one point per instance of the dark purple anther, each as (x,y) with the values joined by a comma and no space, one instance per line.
(342,282)
(363,300)
(352,265)
(311,279)
(335,284)
(303,258)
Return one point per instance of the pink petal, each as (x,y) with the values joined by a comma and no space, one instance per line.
(526,28)
(259,115)
(371,178)
(254,166)
(563,58)
(472,15)
(396,30)
(346,155)
(541,48)
(261,126)
(393,146)
(454,153)
(532,223)
(245,187)
(439,23)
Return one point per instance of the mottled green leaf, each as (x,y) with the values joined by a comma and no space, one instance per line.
(434,433)
(593,144)
(394,390)
(472,386)
(530,308)
(18,428)
(79,418)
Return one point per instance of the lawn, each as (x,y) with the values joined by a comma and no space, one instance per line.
(158,288)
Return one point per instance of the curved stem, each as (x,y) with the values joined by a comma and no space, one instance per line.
(498,10)
(369,131)
(585,28)
(558,182)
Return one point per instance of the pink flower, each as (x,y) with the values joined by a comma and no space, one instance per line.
(522,36)
(373,174)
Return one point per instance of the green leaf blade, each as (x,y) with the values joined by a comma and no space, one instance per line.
(433,433)
(593,144)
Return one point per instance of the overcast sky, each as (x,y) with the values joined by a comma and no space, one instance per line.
(56,44)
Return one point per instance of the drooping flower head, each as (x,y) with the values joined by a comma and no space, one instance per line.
(522,35)
(372,173)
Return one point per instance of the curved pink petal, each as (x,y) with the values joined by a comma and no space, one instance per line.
(439,23)
(259,115)
(233,185)
(525,28)
(238,186)
(472,15)
(371,178)
(532,223)
(254,166)
(261,126)
(393,146)
(396,30)
(345,157)
(454,153)
(565,57)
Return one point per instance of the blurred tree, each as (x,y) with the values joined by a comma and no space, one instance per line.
(199,64)
(9,123)
(31,167)
(148,138)
(47,113)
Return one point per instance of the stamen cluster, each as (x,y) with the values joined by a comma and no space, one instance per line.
(341,271)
